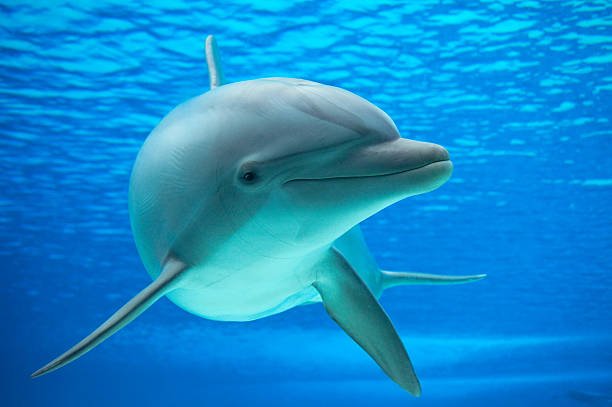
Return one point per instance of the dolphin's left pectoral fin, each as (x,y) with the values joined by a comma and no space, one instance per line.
(352,305)
(165,282)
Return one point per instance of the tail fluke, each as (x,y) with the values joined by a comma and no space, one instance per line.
(394,278)
(136,306)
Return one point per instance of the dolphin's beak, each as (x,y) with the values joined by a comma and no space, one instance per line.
(366,179)
(380,159)
(393,157)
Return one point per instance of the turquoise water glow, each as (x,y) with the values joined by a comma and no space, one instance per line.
(518,91)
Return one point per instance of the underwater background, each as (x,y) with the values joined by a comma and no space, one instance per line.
(519,92)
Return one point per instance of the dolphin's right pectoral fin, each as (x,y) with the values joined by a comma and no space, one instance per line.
(352,305)
(165,282)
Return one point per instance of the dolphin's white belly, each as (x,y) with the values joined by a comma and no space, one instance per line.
(267,286)
(263,289)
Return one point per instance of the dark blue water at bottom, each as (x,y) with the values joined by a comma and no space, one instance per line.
(474,372)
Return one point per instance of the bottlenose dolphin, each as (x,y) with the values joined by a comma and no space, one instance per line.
(245,202)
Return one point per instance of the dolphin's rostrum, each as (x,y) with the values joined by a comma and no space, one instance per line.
(245,202)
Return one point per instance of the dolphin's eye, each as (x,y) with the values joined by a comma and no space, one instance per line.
(248,173)
(249,177)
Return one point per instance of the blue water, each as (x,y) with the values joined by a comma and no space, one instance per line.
(518,91)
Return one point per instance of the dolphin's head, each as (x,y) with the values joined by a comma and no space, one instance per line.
(278,165)
(310,161)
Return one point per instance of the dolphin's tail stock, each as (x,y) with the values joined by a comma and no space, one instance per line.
(158,288)
(394,278)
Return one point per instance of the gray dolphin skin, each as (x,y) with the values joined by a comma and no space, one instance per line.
(245,202)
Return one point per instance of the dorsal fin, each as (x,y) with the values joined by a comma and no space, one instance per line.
(164,283)
(214,63)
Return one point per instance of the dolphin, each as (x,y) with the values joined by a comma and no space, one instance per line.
(245,202)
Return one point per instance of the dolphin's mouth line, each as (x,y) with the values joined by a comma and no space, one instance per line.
(349,177)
